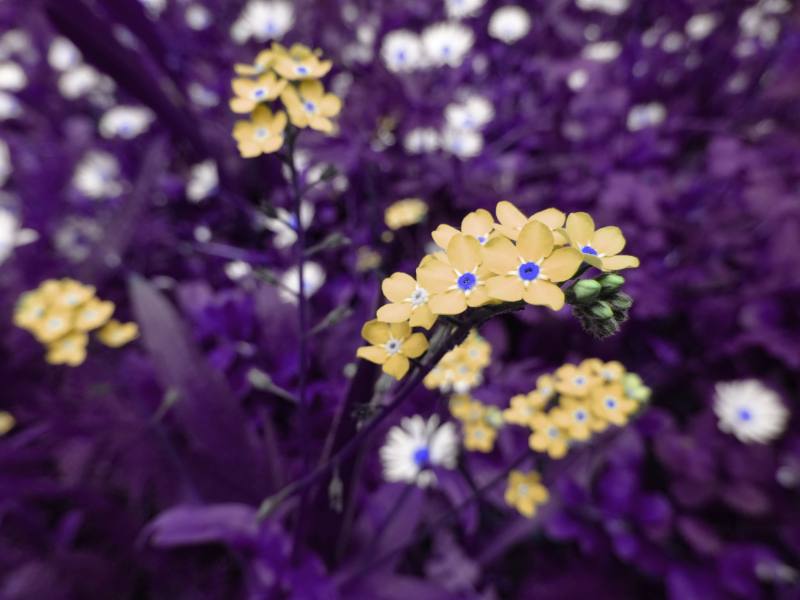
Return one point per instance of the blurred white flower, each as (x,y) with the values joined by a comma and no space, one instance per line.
(154,7)
(202,96)
(284,224)
(416,445)
(125,122)
(602,51)
(402,51)
(12,77)
(263,21)
(11,235)
(197,17)
(612,7)
(643,116)
(699,26)
(97,175)
(464,143)
(313,279)
(458,9)
(85,80)
(203,181)
(577,80)
(9,107)
(509,24)
(421,140)
(76,238)
(447,43)
(63,54)
(474,112)
(750,411)
(237,269)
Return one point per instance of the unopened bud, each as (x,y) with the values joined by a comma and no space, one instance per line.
(611,282)
(621,301)
(586,290)
(602,310)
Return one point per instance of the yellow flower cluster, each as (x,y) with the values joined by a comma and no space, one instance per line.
(461,369)
(61,313)
(480,422)
(291,75)
(525,492)
(510,258)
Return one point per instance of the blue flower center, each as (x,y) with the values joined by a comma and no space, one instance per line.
(261,132)
(401,56)
(467,281)
(745,415)
(611,403)
(481,239)
(580,415)
(528,271)
(302,70)
(258,93)
(553,432)
(580,380)
(309,106)
(421,456)
(589,250)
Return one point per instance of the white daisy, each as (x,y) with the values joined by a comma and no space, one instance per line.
(402,51)
(611,7)
(421,140)
(464,143)
(416,445)
(750,411)
(313,279)
(263,21)
(602,51)
(197,17)
(11,235)
(12,77)
(63,54)
(643,116)
(284,224)
(203,180)
(473,113)
(447,43)
(97,175)
(509,24)
(9,107)
(458,9)
(699,26)
(125,122)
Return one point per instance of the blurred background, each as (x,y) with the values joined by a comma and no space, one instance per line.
(678,121)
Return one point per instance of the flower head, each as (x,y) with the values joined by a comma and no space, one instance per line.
(461,369)
(525,492)
(479,436)
(115,334)
(600,248)
(68,350)
(409,302)
(524,407)
(299,63)
(530,269)
(446,44)
(250,93)
(576,418)
(402,51)
(262,134)
(548,436)
(473,113)
(509,24)
(403,213)
(416,445)
(750,411)
(609,403)
(92,314)
(459,9)
(309,106)
(284,224)
(477,224)
(392,345)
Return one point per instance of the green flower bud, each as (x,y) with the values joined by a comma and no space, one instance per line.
(586,290)
(602,310)
(611,282)
(621,301)
(494,417)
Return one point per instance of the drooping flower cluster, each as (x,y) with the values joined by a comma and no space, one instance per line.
(516,258)
(461,369)
(291,75)
(480,422)
(61,313)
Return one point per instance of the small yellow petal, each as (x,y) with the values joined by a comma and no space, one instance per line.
(500,256)
(435,276)
(562,264)
(509,215)
(544,293)
(443,234)
(464,253)
(448,303)
(422,317)
(535,241)
(400,331)
(621,261)
(396,366)
(608,241)
(580,228)
(552,217)
(508,288)
(477,223)
(394,313)
(374,354)
(415,345)
(375,332)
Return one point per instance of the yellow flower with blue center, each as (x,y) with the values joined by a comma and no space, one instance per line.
(461,369)
(530,269)
(392,345)
(404,213)
(479,436)
(575,417)
(511,220)
(68,350)
(548,436)
(524,407)
(53,325)
(92,314)
(525,492)
(609,403)
(600,248)
(264,61)
(299,62)
(309,105)
(250,93)
(478,224)
(408,302)
(67,294)
(262,134)
(115,334)
(575,381)
(457,279)
(466,409)
(31,309)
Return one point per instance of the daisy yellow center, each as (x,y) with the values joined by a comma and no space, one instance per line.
(528,271)
(393,346)
(589,250)
(467,282)
(421,456)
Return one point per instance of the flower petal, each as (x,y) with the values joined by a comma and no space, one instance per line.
(435,276)
(535,241)
(505,287)
(499,256)
(552,217)
(621,261)
(422,317)
(374,354)
(330,105)
(396,366)
(443,234)
(580,228)
(394,313)
(562,264)
(478,297)
(448,303)
(415,345)
(464,253)
(479,222)
(544,293)
(398,286)
(509,215)
(608,241)
(375,332)
(400,331)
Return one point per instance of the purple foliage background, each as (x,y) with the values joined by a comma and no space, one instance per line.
(106,491)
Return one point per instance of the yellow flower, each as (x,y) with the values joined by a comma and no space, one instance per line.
(403,213)
(525,492)
(455,280)
(69,294)
(574,417)
(409,302)
(530,270)
(299,62)
(609,372)
(69,350)
(479,436)
(55,324)
(116,334)
(547,436)
(524,407)
(264,60)
(263,134)
(477,351)
(478,224)
(30,310)
(600,248)
(464,408)
(309,106)
(93,314)
(392,345)
(250,93)
(512,220)
(635,387)
(461,369)
(611,404)
(546,386)
(574,381)
(7,422)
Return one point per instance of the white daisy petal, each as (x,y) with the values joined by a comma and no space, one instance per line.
(750,411)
